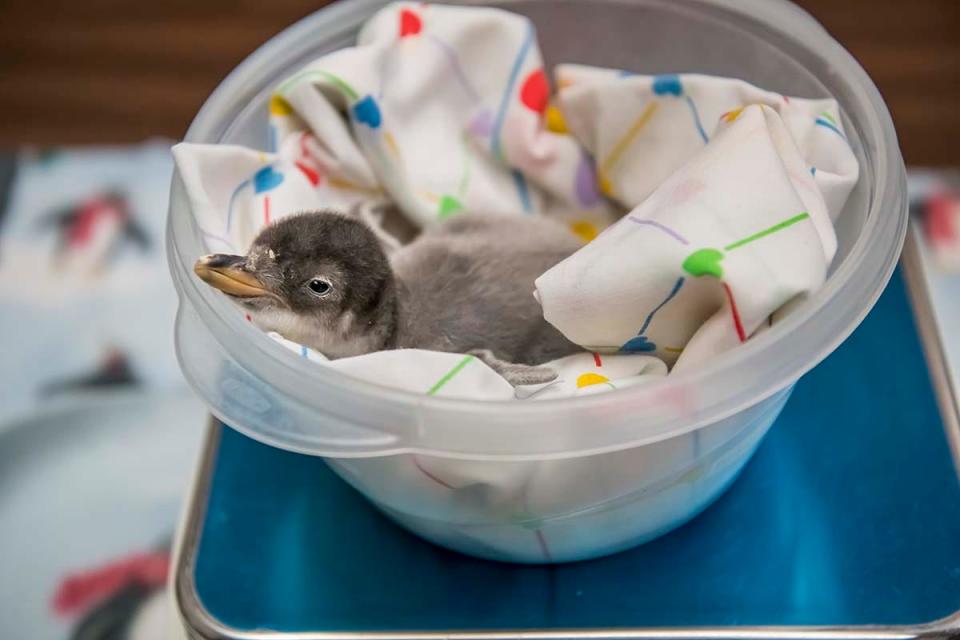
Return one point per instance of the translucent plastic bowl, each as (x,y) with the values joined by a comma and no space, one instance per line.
(568,479)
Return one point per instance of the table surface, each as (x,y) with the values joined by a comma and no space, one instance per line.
(849,514)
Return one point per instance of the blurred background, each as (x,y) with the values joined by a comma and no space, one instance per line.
(98,432)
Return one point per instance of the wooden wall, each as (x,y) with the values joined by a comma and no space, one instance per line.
(110,71)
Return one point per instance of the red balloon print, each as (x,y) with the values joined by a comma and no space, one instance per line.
(535,92)
(311,175)
(410,23)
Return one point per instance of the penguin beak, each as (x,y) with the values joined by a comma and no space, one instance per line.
(226,273)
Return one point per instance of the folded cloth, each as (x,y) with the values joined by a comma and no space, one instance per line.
(441,110)
(707,258)
(465,376)
(643,128)
(437,108)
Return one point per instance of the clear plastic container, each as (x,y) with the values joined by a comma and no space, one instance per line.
(567,479)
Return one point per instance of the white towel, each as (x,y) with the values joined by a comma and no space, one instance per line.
(710,255)
(643,128)
(456,375)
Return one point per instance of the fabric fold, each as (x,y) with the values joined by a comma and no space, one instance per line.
(716,249)
(642,128)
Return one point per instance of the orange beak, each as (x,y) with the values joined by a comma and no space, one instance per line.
(226,273)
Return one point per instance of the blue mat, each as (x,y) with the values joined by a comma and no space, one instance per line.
(849,514)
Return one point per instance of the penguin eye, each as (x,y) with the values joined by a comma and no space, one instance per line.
(319,287)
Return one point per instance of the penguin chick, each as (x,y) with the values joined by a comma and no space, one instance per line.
(323,280)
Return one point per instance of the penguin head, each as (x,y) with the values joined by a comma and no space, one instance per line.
(320,279)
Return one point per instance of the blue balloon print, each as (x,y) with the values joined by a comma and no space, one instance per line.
(266,179)
(367,112)
(639,344)
(666,84)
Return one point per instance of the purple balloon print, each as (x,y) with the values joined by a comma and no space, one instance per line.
(585,183)
(482,124)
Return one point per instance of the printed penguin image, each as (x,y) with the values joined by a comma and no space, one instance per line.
(114,370)
(94,231)
(123,599)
